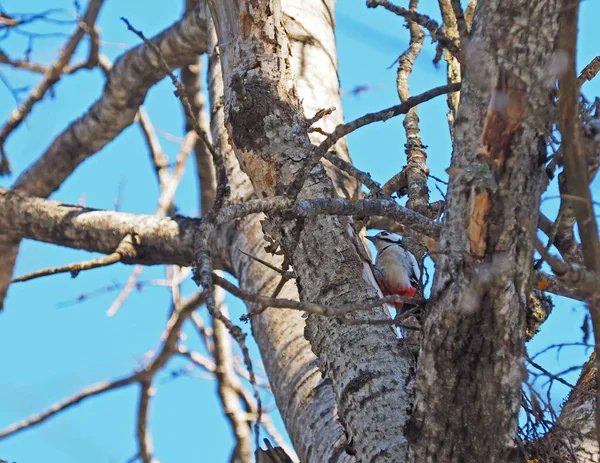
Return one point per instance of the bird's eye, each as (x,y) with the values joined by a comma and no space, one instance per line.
(384,233)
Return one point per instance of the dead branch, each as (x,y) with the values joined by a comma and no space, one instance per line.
(190,78)
(125,249)
(362,177)
(229,383)
(590,71)
(416,169)
(456,28)
(203,273)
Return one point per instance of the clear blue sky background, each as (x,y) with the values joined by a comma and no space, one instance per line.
(52,350)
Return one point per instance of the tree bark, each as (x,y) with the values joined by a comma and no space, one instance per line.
(304,399)
(471,361)
(368,367)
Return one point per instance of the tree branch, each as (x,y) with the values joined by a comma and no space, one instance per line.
(86,24)
(143,435)
(423,20)
(86,393)
(129,80)
(343,130)
(576,169)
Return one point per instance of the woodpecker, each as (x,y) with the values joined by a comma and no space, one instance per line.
(396,269)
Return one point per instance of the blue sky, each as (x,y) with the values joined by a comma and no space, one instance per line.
(53,350)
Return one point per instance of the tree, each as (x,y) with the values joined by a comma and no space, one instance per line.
(283,212)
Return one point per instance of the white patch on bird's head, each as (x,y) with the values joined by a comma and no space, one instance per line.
(383,239)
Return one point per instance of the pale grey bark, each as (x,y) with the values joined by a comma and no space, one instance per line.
(369,368)
(470,365)
(158,240)
(576,426)
(304,399)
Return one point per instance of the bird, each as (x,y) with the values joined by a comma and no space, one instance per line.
(396,270)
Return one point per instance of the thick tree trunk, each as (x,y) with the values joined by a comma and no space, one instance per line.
(368,368)
(471,362)
(304,399)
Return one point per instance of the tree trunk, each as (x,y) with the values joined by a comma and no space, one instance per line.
(471,363)
(368,368)
(304,398)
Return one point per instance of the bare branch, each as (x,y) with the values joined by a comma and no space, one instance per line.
(161,240)
(362,177)
(91,391)
(143,435)
(340,311)
(343,130)
(423,20)
(203,276)
(576,169)
(416,169)
(190,78)
(86,24)
(160,161)
(555,285)
(132,281)
(455,27)
(125,248)
(229,383)
(182,94)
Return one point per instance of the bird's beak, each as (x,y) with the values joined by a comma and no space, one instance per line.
(371,238)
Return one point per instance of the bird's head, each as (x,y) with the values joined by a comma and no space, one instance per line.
(383,239)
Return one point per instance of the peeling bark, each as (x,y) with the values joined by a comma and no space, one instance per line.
(470,366)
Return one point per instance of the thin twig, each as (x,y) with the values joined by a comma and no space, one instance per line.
(309,307)
(132,281)
(265,263)
(556,377)
(362,177)
(181,93)
(126,249)
(423,20)
(86,24)
(344,129)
